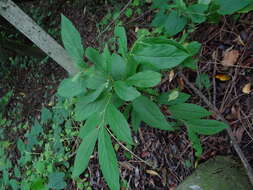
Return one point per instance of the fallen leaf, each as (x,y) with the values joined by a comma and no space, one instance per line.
(230,58)
(247,88)
(171,75)
(222,77)
(152,172)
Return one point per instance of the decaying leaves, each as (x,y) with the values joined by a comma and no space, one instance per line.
(230,58)
(247,88)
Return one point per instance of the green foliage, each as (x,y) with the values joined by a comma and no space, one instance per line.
(227,7)
(173,16)
(72,41)
(122,81)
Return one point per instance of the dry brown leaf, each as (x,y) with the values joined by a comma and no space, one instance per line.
(247,88)
(230,58)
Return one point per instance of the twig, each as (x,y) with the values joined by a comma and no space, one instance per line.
(237,148)
(131,152)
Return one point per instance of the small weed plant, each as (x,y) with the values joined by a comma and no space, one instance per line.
(115,86)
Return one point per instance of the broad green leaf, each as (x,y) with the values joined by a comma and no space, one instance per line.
(247,9)
(96,79)
(159,19)
(56,180)
(165,98)
(150,113)
(94,56)
(84,152)
(89,97)
(69,88)
(159,53)
(93,122)
(118,67)
(135,120)
(145,79)
(196,12)
(118,124)
(205,127)
(195,142)
(120,33)
(83,112)
(124,91)
(72,41)
(188,111)
(131,66)
(174,23)
(231,6)
(107,160)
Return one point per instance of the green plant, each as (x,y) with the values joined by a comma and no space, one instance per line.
(174,15)
(122,81)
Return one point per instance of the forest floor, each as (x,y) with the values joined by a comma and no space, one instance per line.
(170,152)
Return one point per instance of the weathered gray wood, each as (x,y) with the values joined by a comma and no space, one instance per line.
(13,14)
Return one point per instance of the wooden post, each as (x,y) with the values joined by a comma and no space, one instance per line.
(13,14)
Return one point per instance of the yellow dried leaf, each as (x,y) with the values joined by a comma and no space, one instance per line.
(171,75)
(246,89)
(222,77)
(230,58)
(152,172)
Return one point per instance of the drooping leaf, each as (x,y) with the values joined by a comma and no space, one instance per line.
(195,142)
(84,152)
(72,41)
(144,79)
(205,127)
(188,111)
(159,53)
(231,6)
(118,124)
(69,88)
(120,33)
(118,67)
(107,160)
(125,92)
(150,113)
(56,180)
